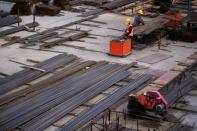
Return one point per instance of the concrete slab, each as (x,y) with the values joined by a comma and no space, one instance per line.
(187,62)
(179,68)
(155,72)
(154,58)
(166,78)
(148,88)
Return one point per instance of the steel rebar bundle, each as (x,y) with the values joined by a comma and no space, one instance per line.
(9,20)
(28,75)
(17,29)
(106,103)
(57,92)
(38,87)
(69,105)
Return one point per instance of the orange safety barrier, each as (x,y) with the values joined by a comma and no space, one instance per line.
(120,47)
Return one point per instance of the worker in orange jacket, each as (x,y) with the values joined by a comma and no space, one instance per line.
(129,29)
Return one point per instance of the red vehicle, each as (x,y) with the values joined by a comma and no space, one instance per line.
(148,101)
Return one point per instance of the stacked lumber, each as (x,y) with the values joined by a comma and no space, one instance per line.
(44,9)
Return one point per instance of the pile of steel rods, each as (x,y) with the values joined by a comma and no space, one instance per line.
(17,29)
(116,4)
(106,103)
(43,103)
(38,87)
(57,92)
(62,40)
(28,75)
(47,31)
(9,20)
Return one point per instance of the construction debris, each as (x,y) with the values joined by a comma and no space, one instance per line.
(43,9)
(47,31)
(63,4)
(24,7)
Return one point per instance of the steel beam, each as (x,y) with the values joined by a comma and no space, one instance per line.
(17,29)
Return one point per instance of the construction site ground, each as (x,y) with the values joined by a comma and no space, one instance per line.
(98,49)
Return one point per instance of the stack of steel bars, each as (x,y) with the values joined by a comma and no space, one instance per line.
(9,20)
(110,78)
(106,103)
(47,31)
(49,100)
(17,29)
(28,75)
(72,68)
(116,4)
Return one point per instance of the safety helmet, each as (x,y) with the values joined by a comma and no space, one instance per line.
(141,12)
(128,21)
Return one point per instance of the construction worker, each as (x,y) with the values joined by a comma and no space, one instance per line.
(138,19)
(129,29)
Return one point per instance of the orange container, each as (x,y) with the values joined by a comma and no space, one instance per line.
(120,47)
(173,22)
